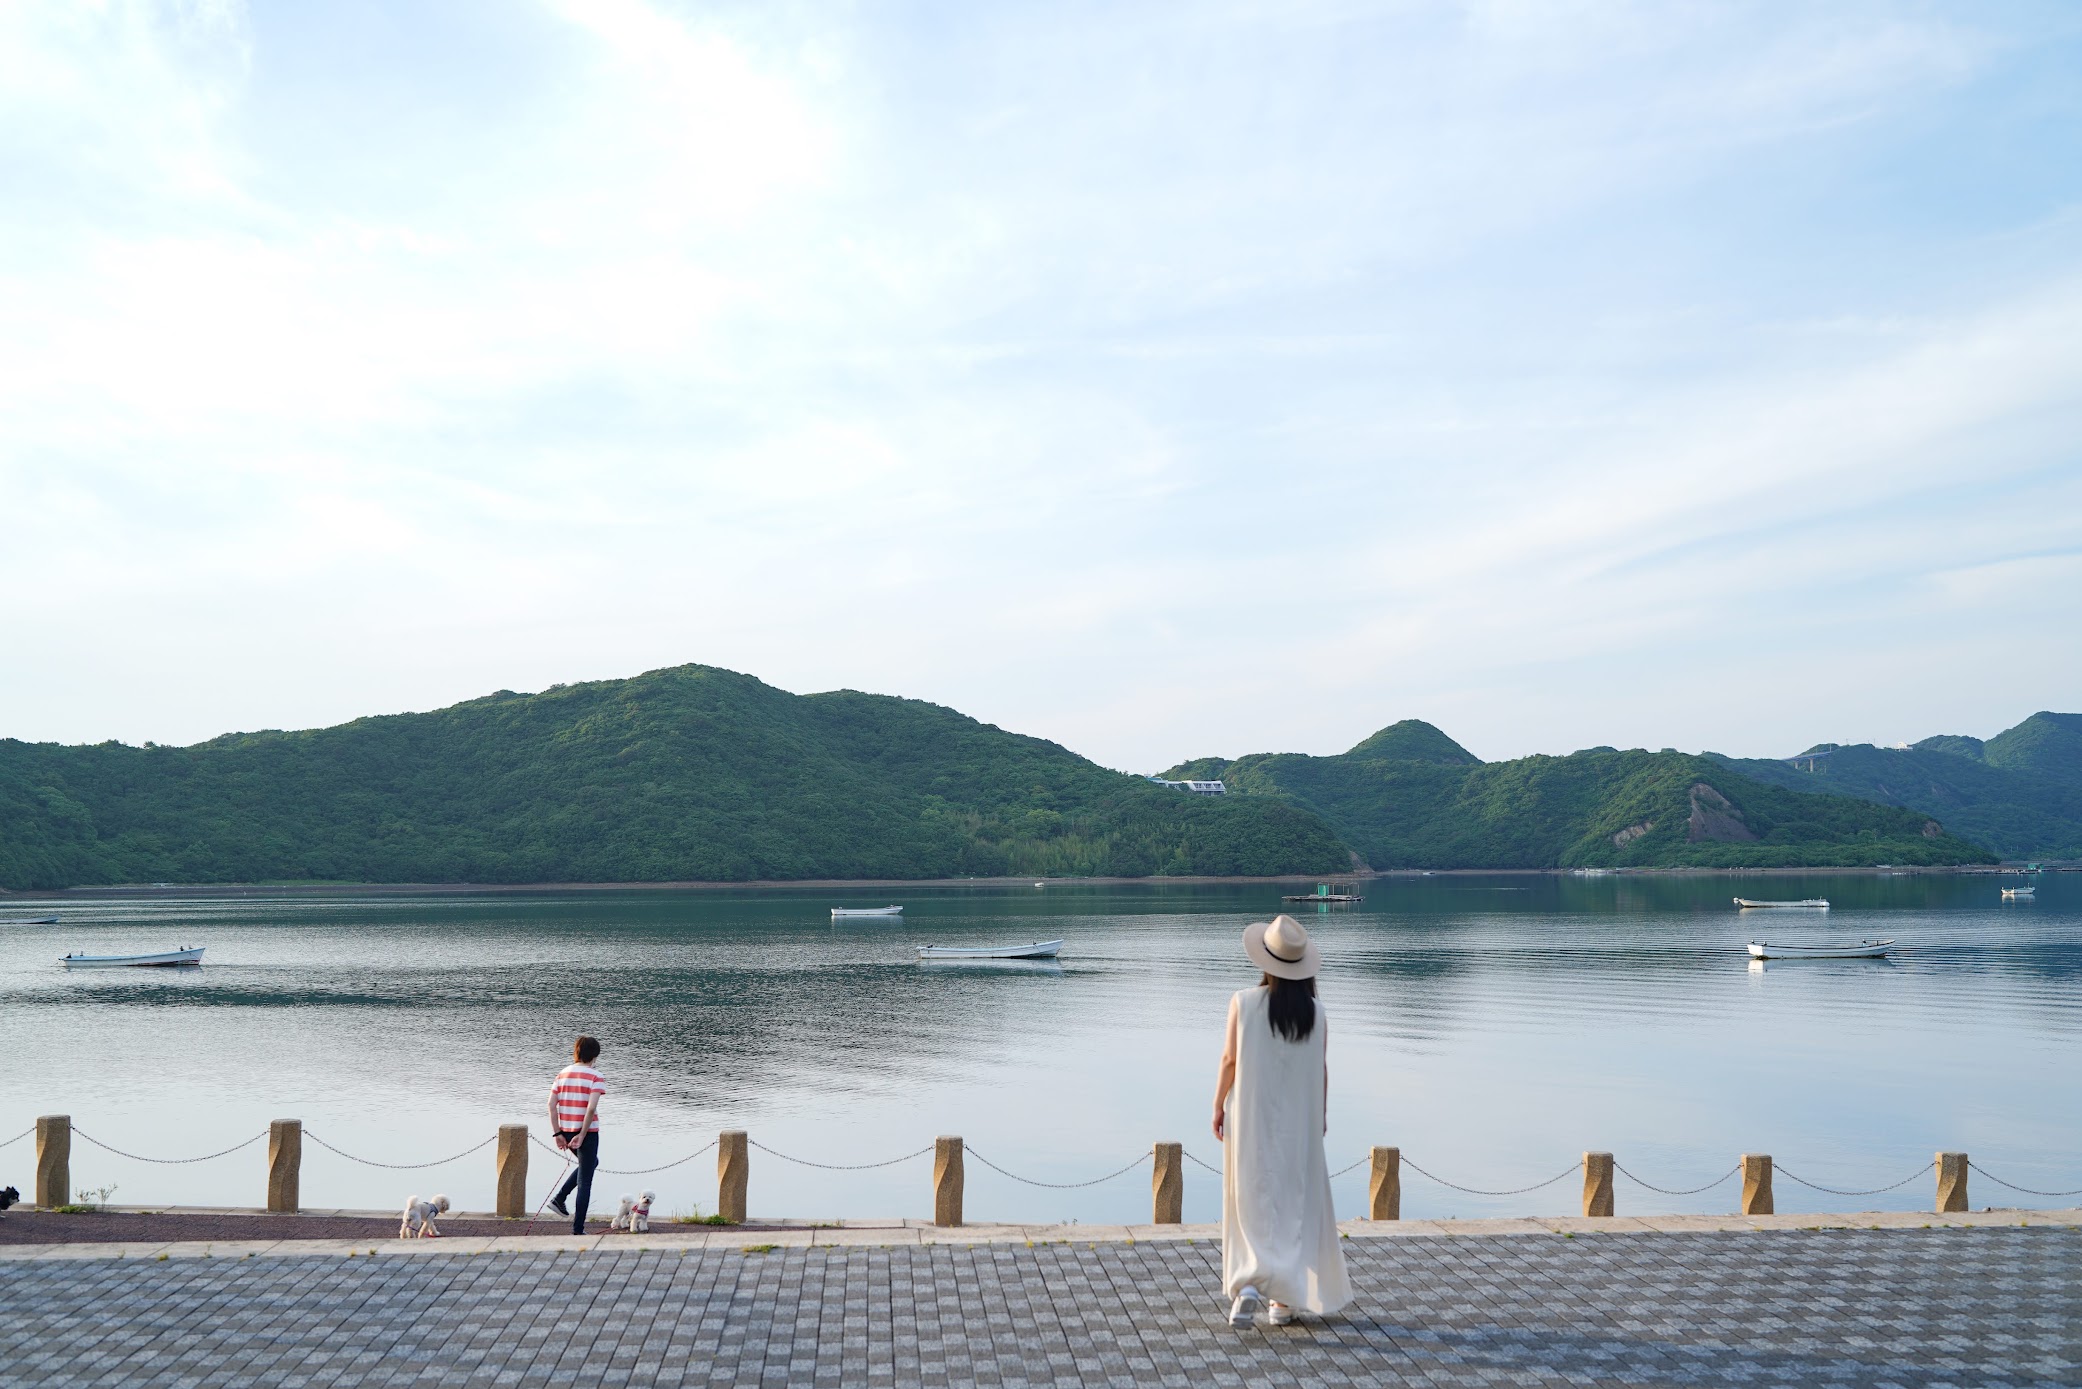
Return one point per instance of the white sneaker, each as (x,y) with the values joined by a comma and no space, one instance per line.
(1278,1313)
(1244,1310)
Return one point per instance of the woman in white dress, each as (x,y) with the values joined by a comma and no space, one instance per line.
(1279,1234)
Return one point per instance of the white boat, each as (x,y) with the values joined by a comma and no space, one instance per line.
(1863,950)
(1819,903)
(184,956)
(2020,892)
(837,913)
(1039,950)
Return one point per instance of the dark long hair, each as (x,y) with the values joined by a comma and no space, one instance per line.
(1292,1007)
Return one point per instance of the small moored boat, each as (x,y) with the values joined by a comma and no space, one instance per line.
(2020,892)
(184,956)
(1038,950)
(838,913)
(1862,950)
(1819,903)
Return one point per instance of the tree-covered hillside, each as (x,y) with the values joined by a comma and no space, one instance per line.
(1598,808)
(690,773)
(2019,793)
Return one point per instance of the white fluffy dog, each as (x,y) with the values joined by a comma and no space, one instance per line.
(640,1213)
(419,1217)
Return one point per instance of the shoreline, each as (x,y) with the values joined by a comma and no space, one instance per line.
(1027,883)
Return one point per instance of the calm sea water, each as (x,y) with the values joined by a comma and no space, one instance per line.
(1493,1027)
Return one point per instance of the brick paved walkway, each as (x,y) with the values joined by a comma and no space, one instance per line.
(1979,1306)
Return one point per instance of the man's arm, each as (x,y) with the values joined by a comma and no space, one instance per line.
(558,1137)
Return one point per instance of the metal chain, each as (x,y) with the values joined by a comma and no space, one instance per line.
(1568,1171)
(19,1137)
(1209,1166)
(1055,1186)
(839,1166)
(1875,1191)
(646,1171)
(2028,1191)
(1688,1191)
(400,1166)
(168,1162)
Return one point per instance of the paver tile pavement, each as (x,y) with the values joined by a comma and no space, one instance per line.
(1914,1308)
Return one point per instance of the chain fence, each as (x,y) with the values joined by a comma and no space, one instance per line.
(1687,1191)
(167,1162)
(402,1166)
(1571,1170)
(839,1166)
(2028,1191)
(19,1137)
(1055,1186)
(1871,1191)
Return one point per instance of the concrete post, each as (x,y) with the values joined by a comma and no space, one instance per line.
(510,1197)
(947,1181)
(1597,1183)
(53,1161)
(1756,1184)
(1167,1185)
(285,1164)
(1951,1183)
(1384,1185)
(733,1174)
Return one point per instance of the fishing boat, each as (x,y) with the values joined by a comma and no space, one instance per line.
(1818,903)
(2020,892)
(31,921)
(1863,950)
(186,955)
(1039,950)
(840,913)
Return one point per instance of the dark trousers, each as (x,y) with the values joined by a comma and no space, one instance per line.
(588,1159)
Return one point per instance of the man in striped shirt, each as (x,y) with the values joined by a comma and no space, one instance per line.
(574,1117)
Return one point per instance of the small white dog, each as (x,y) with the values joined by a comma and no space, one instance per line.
(419,1218)
(640,1213)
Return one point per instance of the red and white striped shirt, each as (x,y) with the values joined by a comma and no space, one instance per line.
(574,1086)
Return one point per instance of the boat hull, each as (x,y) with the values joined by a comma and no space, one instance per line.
(844,913)
(163,958)
(1862,950)
(1820,904)
(1038,950)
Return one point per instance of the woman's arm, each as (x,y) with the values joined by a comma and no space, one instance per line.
(1225,1079)
(1324,1023)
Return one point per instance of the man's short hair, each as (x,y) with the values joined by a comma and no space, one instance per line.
(584,1050)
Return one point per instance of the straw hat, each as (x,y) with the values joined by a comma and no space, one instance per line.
(1282,949)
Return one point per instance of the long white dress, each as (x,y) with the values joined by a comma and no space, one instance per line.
(1279,1230)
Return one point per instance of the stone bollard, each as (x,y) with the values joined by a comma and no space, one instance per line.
(510,1197)
(1384,1185)
(733,1174)
(53,1161)
(1167,1185)
(285,1165)
(947,1181)
(1756,1184)
(1951,1183)
(1597,1183)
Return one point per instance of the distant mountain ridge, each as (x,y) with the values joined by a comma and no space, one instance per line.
(2019,793)
(689,773)
(1411,797)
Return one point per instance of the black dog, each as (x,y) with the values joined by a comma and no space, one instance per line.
(9,1197)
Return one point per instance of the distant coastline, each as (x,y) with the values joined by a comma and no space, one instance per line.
(879,884)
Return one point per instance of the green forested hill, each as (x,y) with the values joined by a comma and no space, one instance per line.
(690,773)
(1410,797)
(2020,792)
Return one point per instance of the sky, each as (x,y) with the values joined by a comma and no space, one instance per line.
(1165,380)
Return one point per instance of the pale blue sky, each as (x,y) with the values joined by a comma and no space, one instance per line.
(1165,380)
